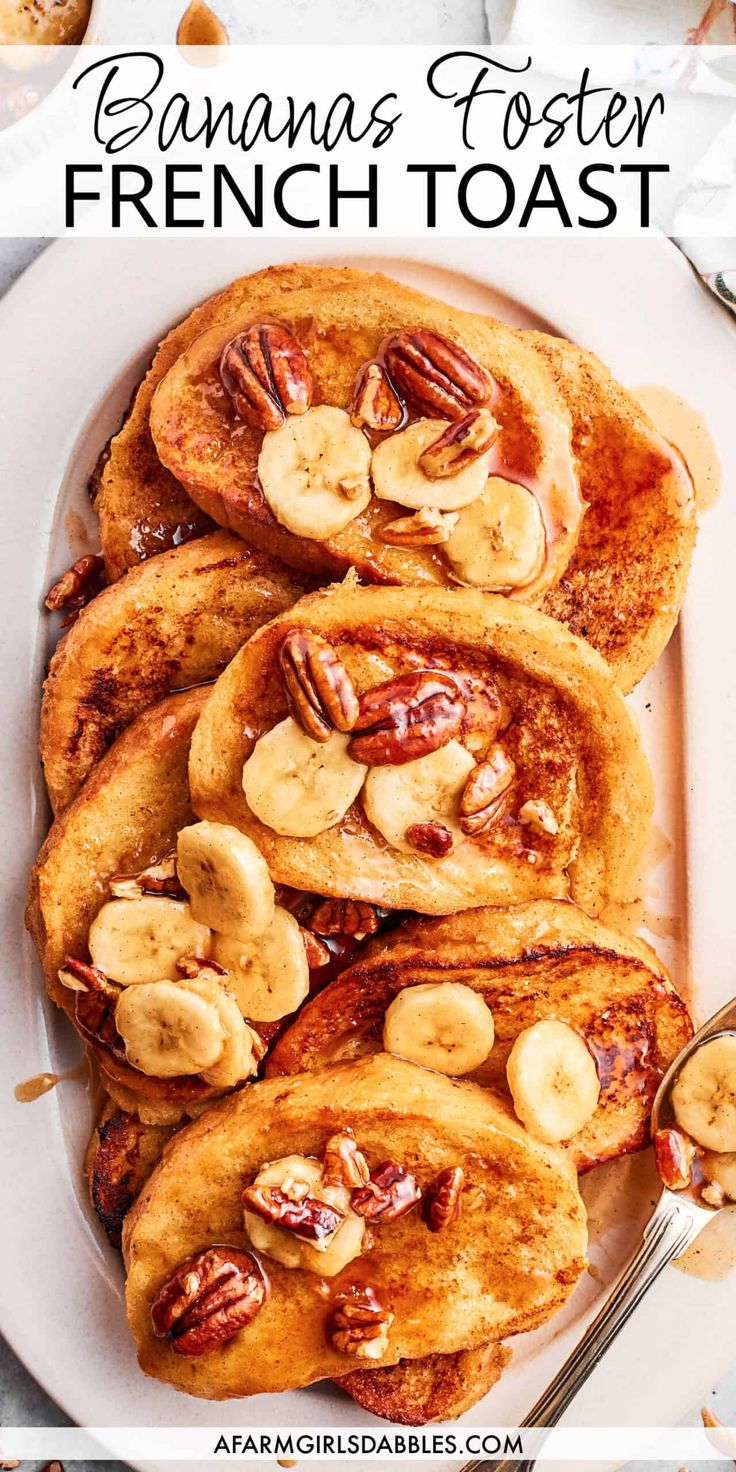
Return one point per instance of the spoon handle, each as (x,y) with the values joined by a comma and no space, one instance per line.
(670,1228)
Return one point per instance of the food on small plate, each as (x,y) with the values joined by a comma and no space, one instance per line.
(172,623)
(616,1021)
(120,941)
(441,1179)
(425,749)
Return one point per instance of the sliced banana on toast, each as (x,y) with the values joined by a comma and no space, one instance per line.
(296,1175)
(499,542)
(269,973)
(299,787)
(226,878)
(314,472)
(425,791)
(553,1081)
(141,940)
(168,1029)
(398,476)
(441,1025)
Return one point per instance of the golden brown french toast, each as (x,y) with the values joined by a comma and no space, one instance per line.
(142,508)
(120,1156)
(484,753)
(504,1264)
(125,818)
(439,1387)
(215,428)
(174,622)
(531,962)
(624,585)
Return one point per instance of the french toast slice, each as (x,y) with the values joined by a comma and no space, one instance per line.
(126,817)
(171,623)
(624,585)
(501,1267)
(121,1154)
(143,508)
(342,325)
(565,727)
(439,1387)
(542,960)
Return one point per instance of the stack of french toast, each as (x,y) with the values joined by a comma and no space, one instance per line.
(344,787)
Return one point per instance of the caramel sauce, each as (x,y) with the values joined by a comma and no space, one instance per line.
(712,1255)
(34,1088)
(686,429)
(199,26)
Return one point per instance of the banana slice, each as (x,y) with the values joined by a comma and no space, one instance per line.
(499,542)
(301,1175)
(141,940)
(168,1029)
(315,472)
(441,1025)
(242,1046)
(704,1094)
(297,786)
(721,1168)
(397,475)
(226,878)
(553,1081)
(424,791)
(269,975)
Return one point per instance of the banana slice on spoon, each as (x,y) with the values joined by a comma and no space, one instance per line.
(704,1095)
(441,1025)
(553,1081)
(226,878)
(297,786)
(141,940)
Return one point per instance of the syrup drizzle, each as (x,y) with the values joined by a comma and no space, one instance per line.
(685,428)
(199,26)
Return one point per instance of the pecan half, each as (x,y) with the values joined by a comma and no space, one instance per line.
(345,917)
(442,1200)
(78,585)
(265,373)
(307,1217)
(462,443)
(375,405)
(344,1163)
(95,1001)
(426,528)
(485,788)
(406,718)
(209,1299)
(318,954)
(674,1155)
(358,1323)
(319,690)
(430,838)
(435,376)
(388,1195)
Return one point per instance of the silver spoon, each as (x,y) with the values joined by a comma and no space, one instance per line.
(675,1222)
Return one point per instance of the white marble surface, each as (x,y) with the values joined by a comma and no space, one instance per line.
(22,1402)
